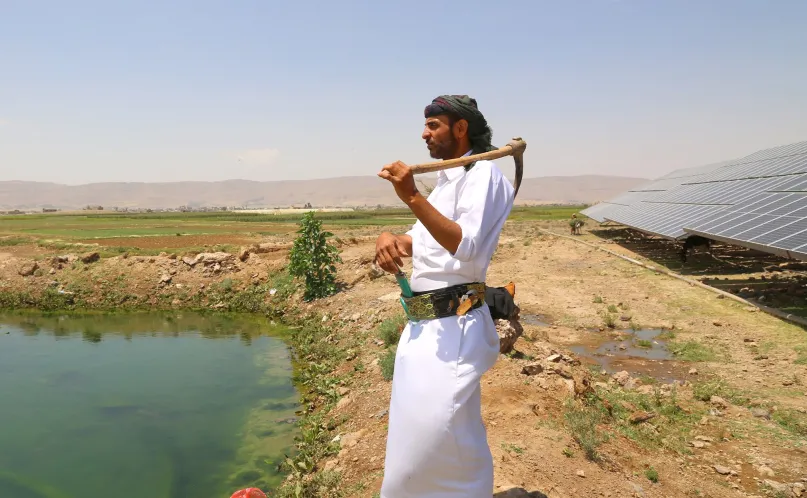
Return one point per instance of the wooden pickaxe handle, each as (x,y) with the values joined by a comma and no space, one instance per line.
(514,147)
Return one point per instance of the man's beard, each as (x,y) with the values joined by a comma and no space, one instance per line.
(445,149)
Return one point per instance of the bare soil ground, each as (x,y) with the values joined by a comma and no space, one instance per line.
(724,404)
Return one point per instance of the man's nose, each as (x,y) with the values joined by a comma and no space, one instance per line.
(426,134)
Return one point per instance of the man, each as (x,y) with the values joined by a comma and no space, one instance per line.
(437,444)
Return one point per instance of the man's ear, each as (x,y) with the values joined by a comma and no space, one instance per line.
(460,129)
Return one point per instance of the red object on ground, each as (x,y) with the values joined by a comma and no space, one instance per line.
(249,493)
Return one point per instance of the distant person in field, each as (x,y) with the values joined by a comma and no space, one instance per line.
(575,224)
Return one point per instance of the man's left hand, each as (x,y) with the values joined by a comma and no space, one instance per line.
(400,175)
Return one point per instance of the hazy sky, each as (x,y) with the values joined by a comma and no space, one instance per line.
(200,90)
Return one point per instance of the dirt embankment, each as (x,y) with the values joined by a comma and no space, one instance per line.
(622,382)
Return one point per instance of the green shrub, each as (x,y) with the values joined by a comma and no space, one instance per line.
(313,258)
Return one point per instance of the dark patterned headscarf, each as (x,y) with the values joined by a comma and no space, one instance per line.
(464,107)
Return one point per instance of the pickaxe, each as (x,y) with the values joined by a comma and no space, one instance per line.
(514,147)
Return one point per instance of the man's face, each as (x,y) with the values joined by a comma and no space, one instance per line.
(439,137)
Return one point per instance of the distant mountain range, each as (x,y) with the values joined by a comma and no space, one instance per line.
(330,192)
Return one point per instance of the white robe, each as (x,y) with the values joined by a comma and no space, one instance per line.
(437,444)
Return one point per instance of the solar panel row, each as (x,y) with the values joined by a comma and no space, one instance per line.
(758,201)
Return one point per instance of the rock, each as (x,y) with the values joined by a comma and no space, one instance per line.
(532,369)
(343,403)
(344,391)
(760,413)
(717,323)
(392,296)
(28,269)
(723,471)
(706,439)
(352,439)
(693,371)
(208,258)
(90,257)
(719,402)
(580,473)
(639,417)
(748,339)
(554,358)
(765,471)
(382,413)
(638,492)
(356,317)
(564,371)
(375,272)
(647,390)
(52,271)
(330,465)
(781,490)
(165,279)
(509,331)
(622,378)
(519,493)
(699,444)
(243,254)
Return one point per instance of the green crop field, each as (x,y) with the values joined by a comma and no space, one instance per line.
(177,229)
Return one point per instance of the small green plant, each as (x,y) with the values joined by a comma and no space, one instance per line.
(692,351)
(387,363)
(791,420)
(582,422)
(801,359)
(313,258)
(568,452)
(666,335)
(597,299)
(651,474)
(512,448)
(12,241)
(527,242)
(612,309)
(644,344)
(390,329)
(704,391)
(609,320)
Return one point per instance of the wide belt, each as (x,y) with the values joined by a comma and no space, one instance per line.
(456,300)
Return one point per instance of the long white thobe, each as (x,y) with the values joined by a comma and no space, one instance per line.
(437,444)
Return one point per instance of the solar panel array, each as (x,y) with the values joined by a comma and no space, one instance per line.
(758,201)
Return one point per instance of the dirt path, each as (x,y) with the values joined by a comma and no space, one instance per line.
(749,361)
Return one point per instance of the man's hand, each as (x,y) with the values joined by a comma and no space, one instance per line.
(400,175)
(389,249)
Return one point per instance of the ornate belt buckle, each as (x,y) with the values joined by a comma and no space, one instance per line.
(467,301)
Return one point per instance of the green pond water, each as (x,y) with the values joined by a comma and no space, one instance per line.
(142,405)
